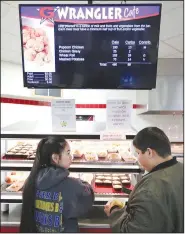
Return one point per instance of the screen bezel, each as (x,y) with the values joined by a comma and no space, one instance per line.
(36,86)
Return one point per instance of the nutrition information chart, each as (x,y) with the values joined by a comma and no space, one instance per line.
(131,52)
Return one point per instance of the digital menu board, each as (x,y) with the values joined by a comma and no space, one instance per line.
(90,46)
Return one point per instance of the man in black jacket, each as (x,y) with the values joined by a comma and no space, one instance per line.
(157,202)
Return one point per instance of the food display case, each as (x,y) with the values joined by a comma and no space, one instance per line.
(177,149)
(109,166)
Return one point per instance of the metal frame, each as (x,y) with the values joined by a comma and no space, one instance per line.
(72,136)
(100,199)
(26,165)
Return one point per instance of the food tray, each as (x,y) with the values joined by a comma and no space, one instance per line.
(15,187)
(177,148)
(4,186)
(75,161)
(16,158)
(100,161)
(108,190)
(21,150)
(99,190)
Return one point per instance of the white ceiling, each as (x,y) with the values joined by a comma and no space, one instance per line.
(171,35)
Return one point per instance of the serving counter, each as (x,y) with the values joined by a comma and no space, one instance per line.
(95,221)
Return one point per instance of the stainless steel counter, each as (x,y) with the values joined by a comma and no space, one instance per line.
(96,218)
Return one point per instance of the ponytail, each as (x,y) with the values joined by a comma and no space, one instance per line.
(39,151)
(28,215)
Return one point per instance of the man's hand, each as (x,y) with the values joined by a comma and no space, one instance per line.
(118,204)
(107,208)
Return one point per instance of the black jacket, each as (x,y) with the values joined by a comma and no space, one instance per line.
(156,204)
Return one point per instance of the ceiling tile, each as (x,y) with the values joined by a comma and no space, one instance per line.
(171,24)
(11,56)
(165,50)
(7,2)
(166,5)
(10,22)
(176,55)
(10,42)
(170,5)
(4,9)
(16,3)
(176,42)
(13,3)
(107,2)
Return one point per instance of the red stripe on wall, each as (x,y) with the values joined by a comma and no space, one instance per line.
(47,103)
(138,106)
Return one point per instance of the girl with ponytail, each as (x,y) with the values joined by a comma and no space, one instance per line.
(53,201)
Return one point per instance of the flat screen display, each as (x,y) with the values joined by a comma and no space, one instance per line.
(90,46)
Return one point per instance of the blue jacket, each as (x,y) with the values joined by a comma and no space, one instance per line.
(60,200)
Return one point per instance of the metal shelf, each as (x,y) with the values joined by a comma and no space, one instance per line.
(100,199)
(178,155)
(71,136)
(11,197)
(107,168)
(103,199)
(26,165)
